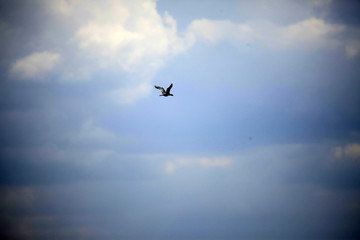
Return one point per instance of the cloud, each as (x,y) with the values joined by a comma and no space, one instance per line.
(310,33)
(94,38)
(216,30)
(124,38)
(35,66)
(60,6)
(353,48)
(256,188)
(132,36)
(352,150)
(349,153)
(203,162)
(92,134)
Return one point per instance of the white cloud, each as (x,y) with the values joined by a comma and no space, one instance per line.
(216,30)
(203,162)
(119,37)
(310,33)
(105,39)
(109,35)
(35,66)
(132,36)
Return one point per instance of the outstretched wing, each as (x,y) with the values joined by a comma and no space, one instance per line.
(161,89)
(168,89)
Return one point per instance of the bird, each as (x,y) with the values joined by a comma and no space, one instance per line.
(165,93)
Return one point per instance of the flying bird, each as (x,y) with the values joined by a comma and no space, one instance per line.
(165,93)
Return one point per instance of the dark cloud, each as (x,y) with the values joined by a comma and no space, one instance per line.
(321,169)
(254,198)
(345,12)
(17,172)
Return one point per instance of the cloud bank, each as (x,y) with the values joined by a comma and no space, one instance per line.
(312,33)
(133,38)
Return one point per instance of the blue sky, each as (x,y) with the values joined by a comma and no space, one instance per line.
(261,139)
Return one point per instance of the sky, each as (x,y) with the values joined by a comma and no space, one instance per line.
(261,139)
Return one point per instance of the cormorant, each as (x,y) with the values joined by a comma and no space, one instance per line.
(165,93)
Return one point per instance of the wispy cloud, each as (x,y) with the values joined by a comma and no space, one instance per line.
(353,48)
(130,94)
(212,31)
(204,162)
(311,33)
(35,66)
(90,132)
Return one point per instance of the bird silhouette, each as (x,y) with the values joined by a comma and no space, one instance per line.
(165,93)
